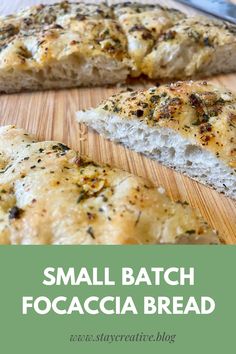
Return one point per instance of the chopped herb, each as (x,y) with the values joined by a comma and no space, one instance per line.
(91,232)
(207,42)
(195,101)
(137,28)
(138,218)
(80,17)
(116,109)
(104,198)
(81,197)
(15,213)
(90,216)
(139,113)
(5,169)
(205,127)
(169,35)
(190,232)
(154,98)
(61,147)
(196,122)
(205,118)
(106,32)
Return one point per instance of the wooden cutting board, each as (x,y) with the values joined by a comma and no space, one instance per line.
(51,115)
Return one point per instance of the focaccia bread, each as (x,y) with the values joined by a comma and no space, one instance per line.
(189,126)
(79,44)
(61,45)
(51,195)
(193,47)
(143,25)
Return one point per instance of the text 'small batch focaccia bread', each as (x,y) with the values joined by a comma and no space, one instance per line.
(77,44)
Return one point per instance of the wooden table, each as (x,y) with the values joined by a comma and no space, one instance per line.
(51,115)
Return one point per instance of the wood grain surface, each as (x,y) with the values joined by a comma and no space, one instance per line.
(51,115)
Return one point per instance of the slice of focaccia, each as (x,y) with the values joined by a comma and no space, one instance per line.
(61,45)
(51,195)
(188,126)
(79,44)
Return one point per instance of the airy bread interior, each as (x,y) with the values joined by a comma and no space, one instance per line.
(70,72)
(166,146)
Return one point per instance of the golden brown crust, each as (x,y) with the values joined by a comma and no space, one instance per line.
(91,28)
(51,195)
(189,49)
(157,41)
(197,110)
(44,33)
(143,25)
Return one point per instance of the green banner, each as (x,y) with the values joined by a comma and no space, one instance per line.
(103,299)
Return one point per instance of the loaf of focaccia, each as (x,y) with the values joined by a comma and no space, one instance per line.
(61,45)
(77,44)
(189,126)
(49,194)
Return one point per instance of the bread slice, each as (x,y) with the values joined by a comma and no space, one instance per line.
(61,45)
(78,44)
(49,194)
(189,126)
